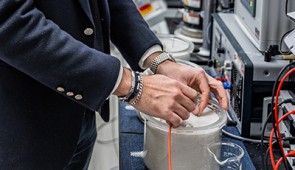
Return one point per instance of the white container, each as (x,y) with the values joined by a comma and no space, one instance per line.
(179,48)
(188,144)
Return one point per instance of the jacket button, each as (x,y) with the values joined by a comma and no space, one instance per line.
(78,97)
(88,31)
(70,93)
(60,89)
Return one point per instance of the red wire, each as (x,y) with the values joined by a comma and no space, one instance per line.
(276,108)
(291,153)
(169,148)
(271,137)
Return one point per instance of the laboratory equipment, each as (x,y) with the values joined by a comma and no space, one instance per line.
(264,21)
(287,127)
(241,65)
(196,26)
(192,25)
(189,143)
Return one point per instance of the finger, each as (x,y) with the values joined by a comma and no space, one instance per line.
(205,91)
(182,112)
(224,103)
(174,119)
(222,98)
(190,93)
(219,92)
(188,103)
(196,110)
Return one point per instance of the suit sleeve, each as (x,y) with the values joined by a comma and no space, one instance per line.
(129,31)
(39,48)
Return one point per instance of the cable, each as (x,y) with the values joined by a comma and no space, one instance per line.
(263,129)
(169,148)
(274,142)
(276,127)
(266,122)
(272,105)
(271,136)
(276,110)
(242,138)
(291,153)
(266,155)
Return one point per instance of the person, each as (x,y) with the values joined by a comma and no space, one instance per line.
(56,71)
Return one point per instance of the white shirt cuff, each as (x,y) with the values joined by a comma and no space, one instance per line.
(150,51)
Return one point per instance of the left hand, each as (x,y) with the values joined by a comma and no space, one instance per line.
(197,79)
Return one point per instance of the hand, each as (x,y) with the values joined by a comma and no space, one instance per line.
(197,79)
(167,99)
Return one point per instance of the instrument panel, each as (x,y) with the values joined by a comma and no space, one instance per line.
(250,6)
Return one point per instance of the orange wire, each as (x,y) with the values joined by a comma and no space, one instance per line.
(271,137)
(276,108)
(169,148)
(291,153)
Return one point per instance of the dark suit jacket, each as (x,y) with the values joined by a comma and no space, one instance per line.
(43,50)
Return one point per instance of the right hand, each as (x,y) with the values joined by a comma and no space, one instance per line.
(166,98)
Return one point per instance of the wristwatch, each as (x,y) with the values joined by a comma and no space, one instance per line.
(159,59)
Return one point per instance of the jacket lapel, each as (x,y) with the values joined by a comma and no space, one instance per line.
(86,8)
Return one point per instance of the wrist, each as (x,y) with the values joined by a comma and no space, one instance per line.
(164,66)
(125,84)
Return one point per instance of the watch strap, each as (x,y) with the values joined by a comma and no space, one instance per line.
(159,59)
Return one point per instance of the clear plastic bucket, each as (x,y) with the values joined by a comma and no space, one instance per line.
(189,143)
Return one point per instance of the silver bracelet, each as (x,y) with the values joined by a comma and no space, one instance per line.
(139,89)
(159,59)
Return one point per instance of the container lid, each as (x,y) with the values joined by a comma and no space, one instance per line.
(176,46)
(213,118)
(207,118)
(195,37)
